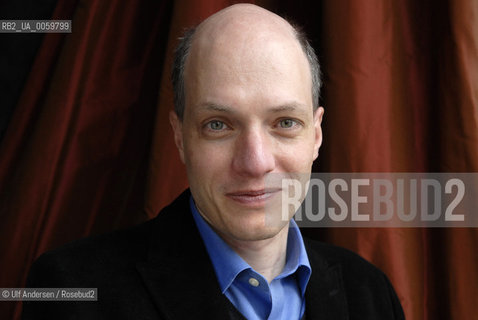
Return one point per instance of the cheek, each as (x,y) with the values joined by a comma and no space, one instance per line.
(297,157)
(295,163)
(206,161)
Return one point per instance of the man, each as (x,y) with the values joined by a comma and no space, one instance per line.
(246,110)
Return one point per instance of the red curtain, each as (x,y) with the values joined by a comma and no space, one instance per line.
(89,147)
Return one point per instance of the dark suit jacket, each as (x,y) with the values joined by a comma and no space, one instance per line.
(161,270)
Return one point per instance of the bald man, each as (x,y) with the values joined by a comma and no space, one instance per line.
(246,109)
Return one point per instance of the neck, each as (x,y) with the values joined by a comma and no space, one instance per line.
(267,256)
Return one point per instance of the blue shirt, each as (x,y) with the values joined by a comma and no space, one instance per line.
(248,291)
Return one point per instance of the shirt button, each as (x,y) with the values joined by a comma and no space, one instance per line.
(253,282)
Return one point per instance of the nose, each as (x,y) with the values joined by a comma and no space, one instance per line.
(253,154)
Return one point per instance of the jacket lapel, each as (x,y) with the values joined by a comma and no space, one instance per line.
(174,292)
(178,273)
(325,296)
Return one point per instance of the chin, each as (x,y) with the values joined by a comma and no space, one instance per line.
(256,233)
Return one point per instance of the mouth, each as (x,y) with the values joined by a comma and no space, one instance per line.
(253,197)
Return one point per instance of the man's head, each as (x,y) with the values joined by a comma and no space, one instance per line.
(182,52)
(248,112)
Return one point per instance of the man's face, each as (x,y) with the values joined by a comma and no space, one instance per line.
(248,116)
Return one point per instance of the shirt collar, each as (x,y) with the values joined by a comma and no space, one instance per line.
(228,264)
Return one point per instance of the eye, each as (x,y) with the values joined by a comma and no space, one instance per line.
(216,125)
(287,123)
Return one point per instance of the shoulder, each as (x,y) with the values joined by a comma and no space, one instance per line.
(99,258)
(368,291)
(88,259)
(111,264)
(355,270)
(328,255)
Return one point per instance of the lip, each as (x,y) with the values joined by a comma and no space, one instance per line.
(251,197)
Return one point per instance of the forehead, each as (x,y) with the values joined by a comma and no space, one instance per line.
(247,58)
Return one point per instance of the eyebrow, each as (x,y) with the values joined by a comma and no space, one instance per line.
(292,106)
(216,107)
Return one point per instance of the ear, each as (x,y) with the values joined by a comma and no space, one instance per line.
(318,114)
(177,126)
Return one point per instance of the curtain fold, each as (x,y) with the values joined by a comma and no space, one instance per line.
(89,147)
